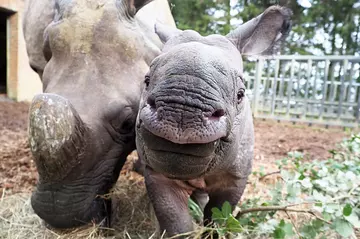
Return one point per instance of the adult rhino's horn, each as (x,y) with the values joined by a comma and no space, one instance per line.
(56,136)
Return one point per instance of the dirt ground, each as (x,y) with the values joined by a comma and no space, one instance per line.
(273,141)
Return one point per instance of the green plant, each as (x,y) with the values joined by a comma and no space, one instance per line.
(314,199)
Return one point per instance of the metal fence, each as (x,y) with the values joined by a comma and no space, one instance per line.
(310,89)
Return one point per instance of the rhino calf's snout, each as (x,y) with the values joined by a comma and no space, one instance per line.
(184,119)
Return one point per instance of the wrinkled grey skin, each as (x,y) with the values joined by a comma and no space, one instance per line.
(92,56)
(194,128)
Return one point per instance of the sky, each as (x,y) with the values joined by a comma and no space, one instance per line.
(304,3)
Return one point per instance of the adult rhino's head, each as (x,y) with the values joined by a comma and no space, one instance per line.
(82,127)
(195,93)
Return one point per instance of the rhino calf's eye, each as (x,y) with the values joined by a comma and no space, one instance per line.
(240,95)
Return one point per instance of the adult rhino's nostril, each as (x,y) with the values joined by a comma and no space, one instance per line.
(151,101)
(218,113)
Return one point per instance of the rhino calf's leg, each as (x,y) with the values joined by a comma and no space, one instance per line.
(218,197)
(170,203)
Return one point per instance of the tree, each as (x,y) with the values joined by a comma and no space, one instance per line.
(327,27)
(195,15)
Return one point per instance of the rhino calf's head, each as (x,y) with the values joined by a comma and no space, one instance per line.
(195,90)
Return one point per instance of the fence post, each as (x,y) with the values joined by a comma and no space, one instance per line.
(290,88)
(274,87)
(357,112)
(308,76)
(342,90)
(258,74)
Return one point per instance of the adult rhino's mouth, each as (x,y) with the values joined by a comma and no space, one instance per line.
(211,129)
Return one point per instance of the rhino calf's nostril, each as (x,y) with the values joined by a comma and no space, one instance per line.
(218,113)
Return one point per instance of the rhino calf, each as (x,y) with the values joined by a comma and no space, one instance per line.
(194,128)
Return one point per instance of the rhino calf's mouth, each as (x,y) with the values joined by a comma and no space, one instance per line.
(169,157)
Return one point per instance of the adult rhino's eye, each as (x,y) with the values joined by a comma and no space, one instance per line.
(147,81)
(123,126)
(240,95)
(127,126)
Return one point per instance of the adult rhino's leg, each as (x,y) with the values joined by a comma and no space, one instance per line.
(170,202)
(218,197)
(65,195)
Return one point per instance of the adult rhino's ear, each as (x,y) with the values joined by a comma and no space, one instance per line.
(165,32)
(135,5)
(262,35)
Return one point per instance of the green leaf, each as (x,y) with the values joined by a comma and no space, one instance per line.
(226,209)
(293,191)
(279,233)
(308,231)
(319,196)
(343,227)
(268,227)
(195,210)
(354,220)
(283,230)
(217,216)
(244,221)
(317,224)
(305,182)
(347,210)
(221,232)
(233,225)
(327,216)
(296,154)
(288,229)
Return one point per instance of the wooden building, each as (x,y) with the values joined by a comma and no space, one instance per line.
(17,80)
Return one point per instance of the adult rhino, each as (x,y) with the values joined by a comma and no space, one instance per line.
(92,56)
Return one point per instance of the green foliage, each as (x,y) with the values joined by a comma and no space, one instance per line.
(193,14)
(327,27)
(283,230)
(324,195)
(195,211)
(226,222)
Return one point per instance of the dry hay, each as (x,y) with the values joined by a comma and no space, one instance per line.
(131,216)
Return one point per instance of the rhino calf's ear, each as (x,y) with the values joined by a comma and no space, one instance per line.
(165,32)
(263,34)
